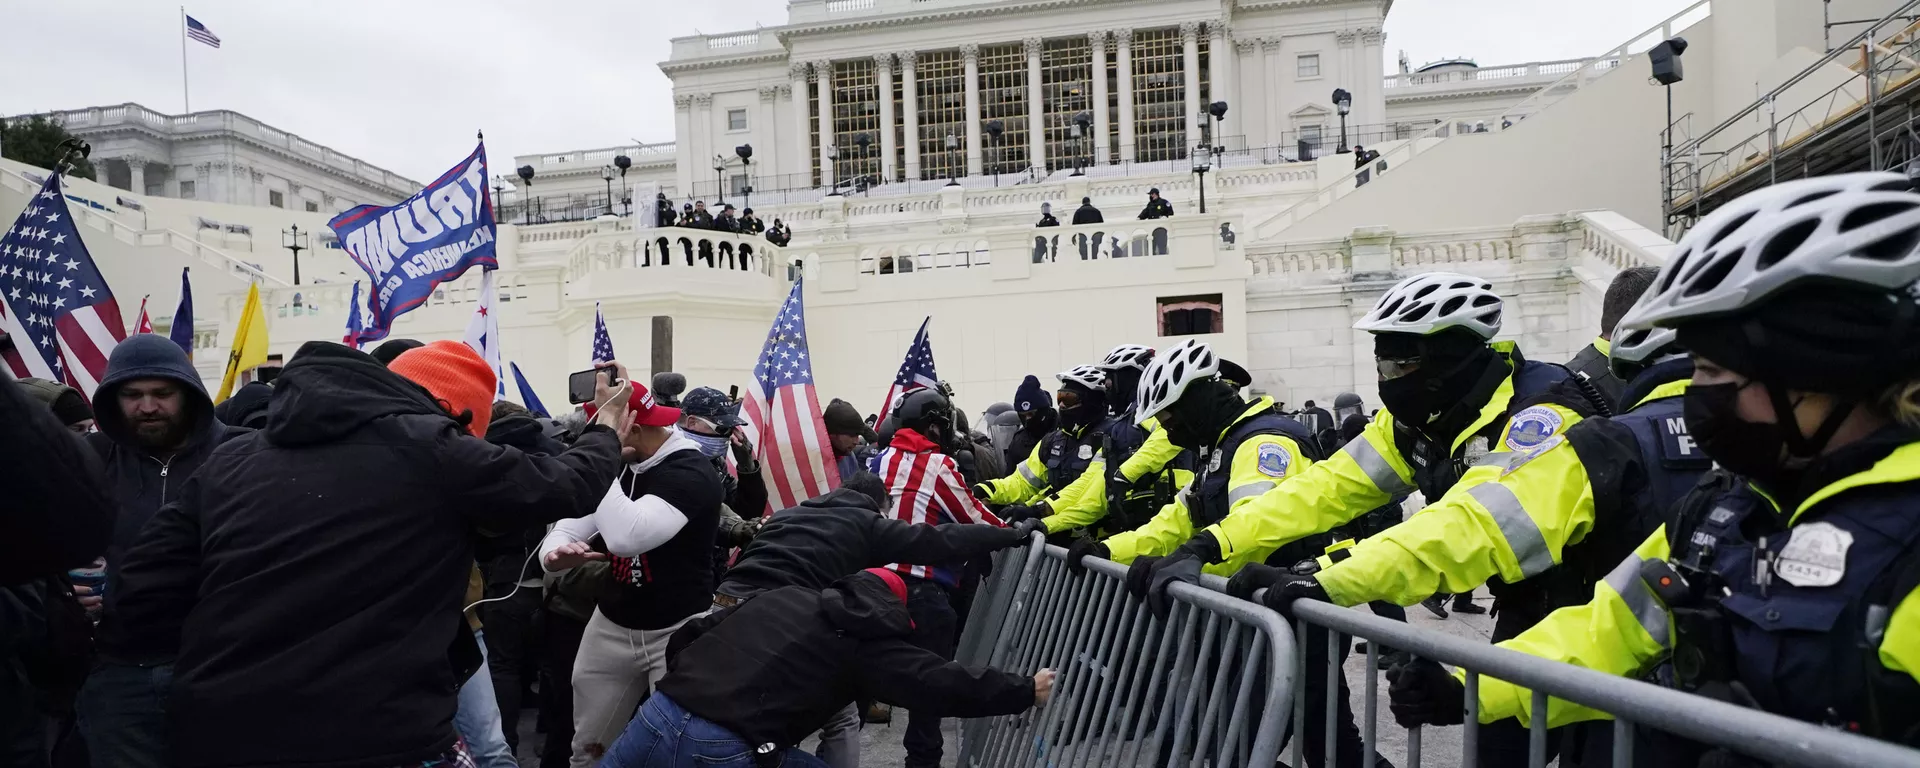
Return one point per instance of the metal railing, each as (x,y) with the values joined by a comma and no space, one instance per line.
(1210,683)
(1881,57)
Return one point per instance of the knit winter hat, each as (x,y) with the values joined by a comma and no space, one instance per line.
(454,374)
(1030,396)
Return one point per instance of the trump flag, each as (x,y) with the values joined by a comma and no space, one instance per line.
(425,240)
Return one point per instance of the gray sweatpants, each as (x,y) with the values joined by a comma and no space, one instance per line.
(615,668)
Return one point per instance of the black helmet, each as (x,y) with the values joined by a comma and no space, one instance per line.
(923,408)
(1346,400)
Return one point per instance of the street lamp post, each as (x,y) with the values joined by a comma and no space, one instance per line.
(720,178)
(833,163)
(294,240)
(1202,162)
(499,192)
(865,180)
(1216,111)
(525,173)
(994,129)
(745,152)
(1082,134)
(626,195)
(1342,101)
(606,172)
(953,147)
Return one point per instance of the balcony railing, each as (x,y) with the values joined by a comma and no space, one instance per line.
(1493,76)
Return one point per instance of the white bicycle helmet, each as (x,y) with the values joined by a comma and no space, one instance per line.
(1169,375)
(1637,348)
(1084,375)
(1127,356)
(1428,304)
(1858,228)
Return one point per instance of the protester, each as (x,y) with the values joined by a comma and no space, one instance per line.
(1086,213)
(751,224)
(247,407)
(701,218)
(852,439)
(1046,216)
(726,221)
(511,578)
(322,625)
(712,419)
(67,404)
(157,428)
(392,348)
(656,525)
(1157,207)
(814,652)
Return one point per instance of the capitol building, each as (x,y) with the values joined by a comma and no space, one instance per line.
(910,144)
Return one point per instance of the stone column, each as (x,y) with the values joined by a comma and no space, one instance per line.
(137,175)
(823,74)
(705,134)
(909,92)
(1190,67)
(1102,146)
(800,146)
(1036,109)
(1276,79)
(1220,65)
(766,155)
(970,54)
(682,148)
(1123,62)
(1253,124)
(889,143)
(1348,76)
(1372,42)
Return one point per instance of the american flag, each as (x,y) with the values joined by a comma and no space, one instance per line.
(483,333)
(784,412)
(53,300)
(182,329)
(916,372)
(602,343)
(199,31)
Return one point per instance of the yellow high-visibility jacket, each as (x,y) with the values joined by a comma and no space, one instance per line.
(1084,502)
(1247,478)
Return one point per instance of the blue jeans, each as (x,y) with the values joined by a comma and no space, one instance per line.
(663,735)
(478,718)
(123,715)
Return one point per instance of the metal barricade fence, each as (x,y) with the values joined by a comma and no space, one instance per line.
(1210,684)
(1771,738)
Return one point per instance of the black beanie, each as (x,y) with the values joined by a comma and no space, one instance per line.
(66,402)
(385,353)
(1820,338)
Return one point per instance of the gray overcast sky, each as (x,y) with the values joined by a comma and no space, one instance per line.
(404,83)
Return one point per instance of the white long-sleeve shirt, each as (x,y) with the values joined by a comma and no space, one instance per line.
(630,527)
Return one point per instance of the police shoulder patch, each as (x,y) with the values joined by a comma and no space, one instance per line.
(1519,458)
(1274,460)
(1533,426)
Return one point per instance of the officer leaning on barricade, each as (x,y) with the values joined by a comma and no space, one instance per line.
(1241,450)
(1062,455)
(1459,407)
(1135,469)
(1788,580)
(1609,492)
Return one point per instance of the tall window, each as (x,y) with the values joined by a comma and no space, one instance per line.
(1003,97)
(1307,65)
(1066,89)
(856,113)
(1108,68)
(1159,96)
(736,119)
(313,207)
(1312,135)
(813,125)
(186,190)
(941,80)
(276,198)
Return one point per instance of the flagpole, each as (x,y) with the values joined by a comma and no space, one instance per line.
(186,95)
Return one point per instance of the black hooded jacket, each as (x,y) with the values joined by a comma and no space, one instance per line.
(313,572)
(776,667)
(139,481)
(505,556)
(833,536)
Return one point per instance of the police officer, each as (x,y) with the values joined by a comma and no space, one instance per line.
(1458,407)
(1241,450)
(1591,362)
(1061,456)
(1137,469)
(1788,579)
(1157,206)
(1609,493)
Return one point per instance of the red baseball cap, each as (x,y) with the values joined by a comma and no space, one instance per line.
(645,411)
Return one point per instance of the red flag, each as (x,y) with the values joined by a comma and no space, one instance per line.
(143,325)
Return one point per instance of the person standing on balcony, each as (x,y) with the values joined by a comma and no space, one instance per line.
(702,219)
(662,210)
(1591,363)
(1086,213)
(751,224)
(1046,216)
(1157,206)
(726,221)
(779,235)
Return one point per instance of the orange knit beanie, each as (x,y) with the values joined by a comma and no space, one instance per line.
(454,374)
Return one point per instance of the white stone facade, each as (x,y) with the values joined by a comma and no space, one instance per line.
(226,157)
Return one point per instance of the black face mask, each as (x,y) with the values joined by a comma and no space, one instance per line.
(1421,397)
(1202,413)
(1749,449)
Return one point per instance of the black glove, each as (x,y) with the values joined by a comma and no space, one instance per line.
(1137,574)
(1182,566)
(981,491)
(1420,692)
(1026,527)
(1014,513)
(1292,587)
(1252,578)
(1082,549)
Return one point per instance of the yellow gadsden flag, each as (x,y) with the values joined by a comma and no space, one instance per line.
(249,342)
